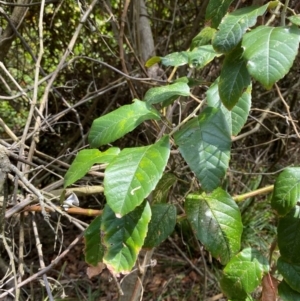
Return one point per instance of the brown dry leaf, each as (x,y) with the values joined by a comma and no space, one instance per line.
(269,288)
(92,271)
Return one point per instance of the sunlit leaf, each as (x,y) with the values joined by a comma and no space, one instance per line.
(121,121)
(85,159)
(175,59)
(295,19)
(270,52)
(167,93)
(233,27)
(203,37)
(201,56)
(134,174)
(152,61)
(243,274)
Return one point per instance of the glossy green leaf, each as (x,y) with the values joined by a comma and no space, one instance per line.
(161,191)
(94,250)
(123,237)
(162,224)
(286,190)
(175,59)
(216,10)
(234,25)
(152,61)
(295,19)
(134,174)
(243,274)
(270,52)
(121,121)
(216,221)
(234,78)
(237,117)
(286,293)
(288,236)
(204,142)
(192,82)
(201,56)
(203,37)
(290,273)
(166,93)
(84,160)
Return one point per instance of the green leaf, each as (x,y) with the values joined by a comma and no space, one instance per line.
(152,61)
(243,274)
(286,190)
(215,11)
(123,237)
(286,293)
(201,56)
(175,59)
(203,37)
(166,93)
(288,236)
(290,273)
(234,78)
(162,224)
(270,52)
(233,27)
(84,160)
(94,250)
(237,117)
(216,220)
(134,174)
(204,142)
(161,191)
(121,121)
(192,82)
(295,19)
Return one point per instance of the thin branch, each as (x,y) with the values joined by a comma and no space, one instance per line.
(46,269)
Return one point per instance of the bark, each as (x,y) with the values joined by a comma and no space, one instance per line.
(14,22)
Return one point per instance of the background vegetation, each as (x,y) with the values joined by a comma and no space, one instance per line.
(65,64)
